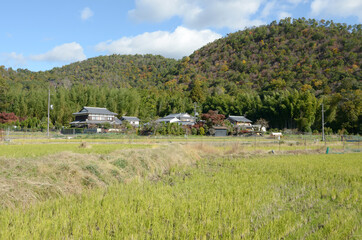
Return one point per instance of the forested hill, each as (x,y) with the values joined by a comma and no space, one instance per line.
(281,72)
(321,57)
(122,71)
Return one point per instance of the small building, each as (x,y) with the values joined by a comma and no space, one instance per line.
(219,131)
(88,116)
(180,118)
(276,135)
(168,120)
(134,121)
(239,121)
(259,128)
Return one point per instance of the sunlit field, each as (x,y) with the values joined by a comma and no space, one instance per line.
(268,197)
(180,187)
(31,145)
(36,150)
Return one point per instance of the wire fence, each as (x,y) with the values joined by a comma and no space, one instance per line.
(291,142)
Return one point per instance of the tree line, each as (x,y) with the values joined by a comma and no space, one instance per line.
(282,109)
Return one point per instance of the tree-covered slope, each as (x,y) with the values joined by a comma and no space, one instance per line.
(122,71)
(321,57)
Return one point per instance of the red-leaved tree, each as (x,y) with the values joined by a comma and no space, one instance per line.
(213,118)
(8,117)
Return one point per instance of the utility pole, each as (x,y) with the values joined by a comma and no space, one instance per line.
(196,114)
(323,136)
(48,109)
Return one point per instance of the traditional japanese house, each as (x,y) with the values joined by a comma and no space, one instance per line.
(180,118)
(239,121)
(89,116)
(134,121)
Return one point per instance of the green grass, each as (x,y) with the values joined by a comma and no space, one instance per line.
(36,150)
(274,197)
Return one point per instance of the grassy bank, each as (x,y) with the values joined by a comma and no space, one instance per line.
(34,173)
(270,197)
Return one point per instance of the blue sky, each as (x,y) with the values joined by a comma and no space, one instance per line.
(39,34)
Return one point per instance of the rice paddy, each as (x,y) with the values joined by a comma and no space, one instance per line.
(36,150)
(218,197)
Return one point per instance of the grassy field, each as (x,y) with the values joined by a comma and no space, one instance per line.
(36,150)
(220,197)
(104,143)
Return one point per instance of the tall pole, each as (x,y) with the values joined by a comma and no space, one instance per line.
(48,109)
(323,136)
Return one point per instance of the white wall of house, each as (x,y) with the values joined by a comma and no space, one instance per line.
(243,124)
(134,122)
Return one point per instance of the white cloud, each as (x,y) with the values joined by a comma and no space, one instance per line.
(67,52)
(282,15)
(159,10)
(181,42)
(231,13)
(269,7)
(200,14)
(14,58)
(296,1)
(338,8)
(237,14)
(86,13)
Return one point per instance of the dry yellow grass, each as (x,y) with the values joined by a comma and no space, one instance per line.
(24,181)
(30,178)
(268,197)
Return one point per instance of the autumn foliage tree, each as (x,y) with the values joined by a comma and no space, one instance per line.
(8,117)
(213,118)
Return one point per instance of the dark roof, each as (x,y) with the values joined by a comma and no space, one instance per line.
(220,128)
(130,118)
(94,122)
(117,121)
(239,119)
(94,110)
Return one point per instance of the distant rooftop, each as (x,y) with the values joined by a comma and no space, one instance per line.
(168,119)
(128,118)
(240,119)
(178,115)
(94,110)
(116,121)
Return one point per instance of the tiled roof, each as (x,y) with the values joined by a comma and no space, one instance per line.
(117,121)
(168,119)
(239,119)
(94,122)
(130,118)
(178,115)
(220,127)
(94,110)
